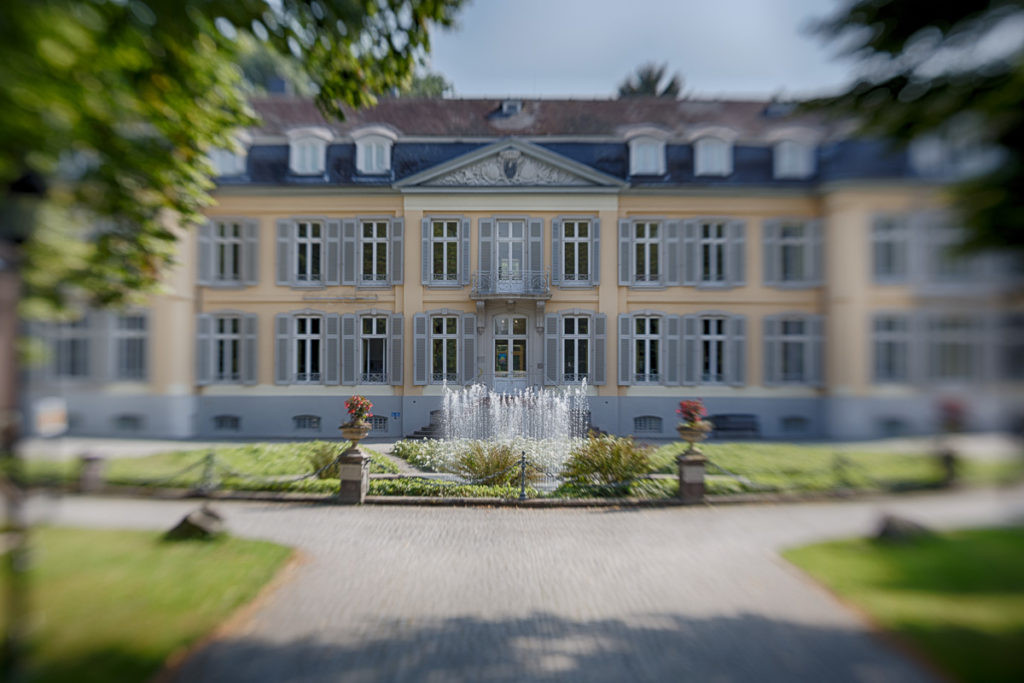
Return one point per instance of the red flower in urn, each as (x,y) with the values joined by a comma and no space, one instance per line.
(692,412)
(358,408)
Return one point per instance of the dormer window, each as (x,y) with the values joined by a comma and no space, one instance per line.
(712,157)
(373,155)
(226,162)
(793,159)
(511,107)
(307,150)
(373,150)
(646,156)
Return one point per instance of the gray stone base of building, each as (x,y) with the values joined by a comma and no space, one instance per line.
(319,417)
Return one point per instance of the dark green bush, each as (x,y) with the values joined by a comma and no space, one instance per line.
(606,462)
(489,464)
(435,488)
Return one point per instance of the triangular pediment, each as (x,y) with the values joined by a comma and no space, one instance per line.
(510,164)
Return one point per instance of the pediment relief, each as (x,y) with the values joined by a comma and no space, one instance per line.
(509,167)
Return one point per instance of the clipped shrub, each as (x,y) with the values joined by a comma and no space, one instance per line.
(607,462)
(380,464)
(406,449)
(320,454)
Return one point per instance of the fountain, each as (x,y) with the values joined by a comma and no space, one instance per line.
(543,422)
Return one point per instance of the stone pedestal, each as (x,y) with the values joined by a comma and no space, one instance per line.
(354,472)
(691,478)
(90,473)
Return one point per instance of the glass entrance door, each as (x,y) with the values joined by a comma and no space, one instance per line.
(510,353)
(511,245)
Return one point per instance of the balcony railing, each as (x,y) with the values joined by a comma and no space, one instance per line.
(535,284)
(373,378)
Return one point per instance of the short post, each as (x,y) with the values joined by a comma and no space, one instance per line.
(354,475)
(522,476)
(208,482)
(949,463)
(692,465)
(90,473)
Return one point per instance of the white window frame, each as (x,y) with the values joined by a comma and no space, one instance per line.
(792,159)
(228,251)
(800,244)
(646,156)
(953,335)
(713,345)
(308,245)
(449,244)
(890,244)
(890,348)
(803,340)
(713,254)
(227,349)
(373,155)
(307,150)
(370,248)
(574,339)
(576,245)
(712,156)
(378,330)
(124,337)
(312,343)
(651,372)
(645,245)
(72,349)
(226,163)
(446,337)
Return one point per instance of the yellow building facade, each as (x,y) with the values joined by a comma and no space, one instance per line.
(790,277)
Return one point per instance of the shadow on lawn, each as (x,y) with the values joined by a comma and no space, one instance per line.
(545,647)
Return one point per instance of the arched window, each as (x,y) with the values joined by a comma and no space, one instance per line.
(647,424)
(307,150)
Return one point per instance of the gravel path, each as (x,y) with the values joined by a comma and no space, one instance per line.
(505,594)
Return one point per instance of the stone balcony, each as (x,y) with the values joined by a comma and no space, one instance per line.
(527,284)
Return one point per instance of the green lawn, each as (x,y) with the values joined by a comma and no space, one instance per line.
(795,467)
(259,466)
(958,597)
(113,605)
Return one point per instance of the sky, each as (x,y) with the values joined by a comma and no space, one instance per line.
(585,48)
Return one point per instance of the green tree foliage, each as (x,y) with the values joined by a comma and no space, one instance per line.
(429,85)
(954,70)
(112,106)
(646,82)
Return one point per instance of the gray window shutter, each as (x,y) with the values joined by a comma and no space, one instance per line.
(464,276)
(251,253)
(598,364)
(396,350)
(536,244)
(485,259)
(420,349)
(349,351)
(691,254)
(426,255)
(205,240)
(331,349)
(282,349)
(770,265)
(735,256)
(736,351)
(349,253)
(625,263)
(204,348)
(332,260)
(672,272)
(284,265)
(556,251)
(816,356)
(250,349)
(816,253)
(595,255)
(691,351)
(673,350)
(552,371)
(771,350)
(468,348)
(397,265)
(625,348)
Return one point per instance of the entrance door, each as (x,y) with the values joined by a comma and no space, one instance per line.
(511,244)
(509,353)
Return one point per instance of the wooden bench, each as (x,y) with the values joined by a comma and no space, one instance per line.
(735,426)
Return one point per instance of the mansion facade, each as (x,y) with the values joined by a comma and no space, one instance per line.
(653,249)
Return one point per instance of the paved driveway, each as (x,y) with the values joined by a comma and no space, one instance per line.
(478,594)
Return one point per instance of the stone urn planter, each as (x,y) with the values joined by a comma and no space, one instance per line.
(354,433)
(693,433)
